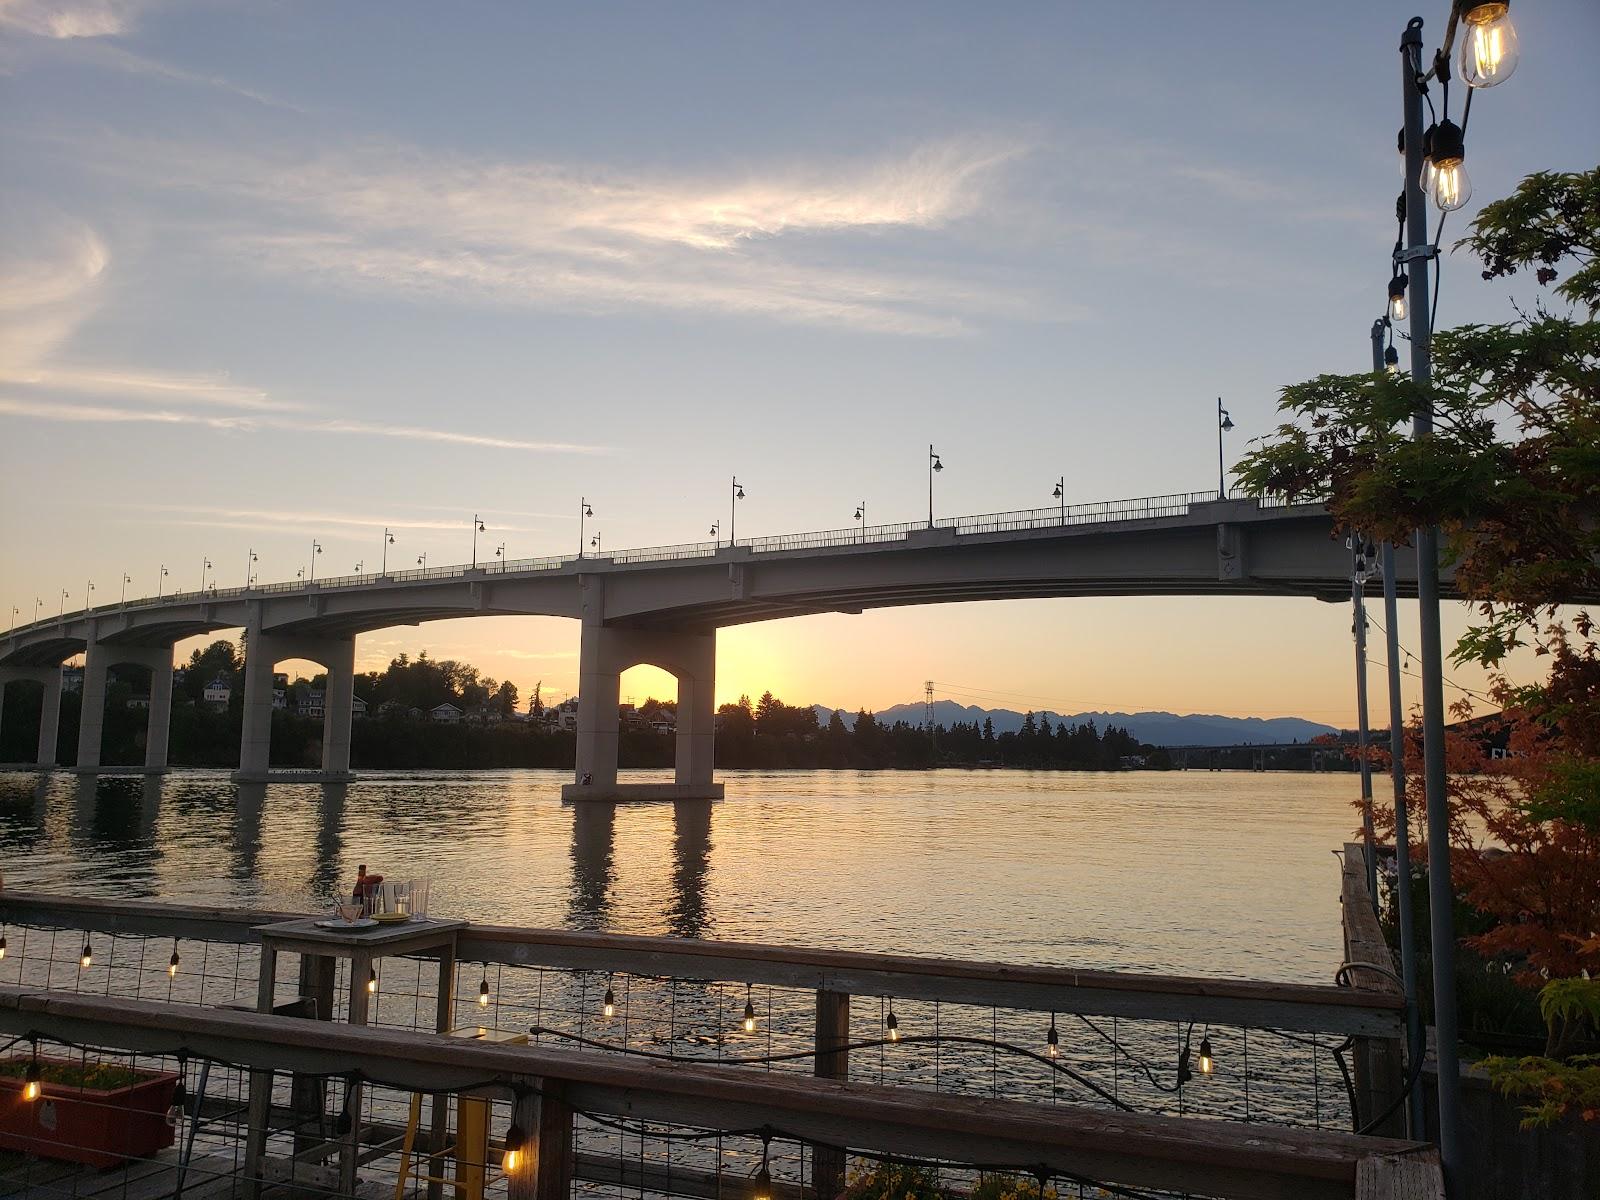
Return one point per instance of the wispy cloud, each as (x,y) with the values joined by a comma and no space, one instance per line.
(312,518)
(64,19)
(790,242)
(104,414)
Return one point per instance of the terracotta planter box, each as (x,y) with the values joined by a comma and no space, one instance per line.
(88,1125)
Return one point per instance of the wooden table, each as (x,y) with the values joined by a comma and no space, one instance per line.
(363,947)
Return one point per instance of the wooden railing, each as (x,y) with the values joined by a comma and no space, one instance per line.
(1379,1061)
(1349,1011)
(1211,1157)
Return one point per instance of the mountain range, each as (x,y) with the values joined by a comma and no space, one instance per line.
(1154,728)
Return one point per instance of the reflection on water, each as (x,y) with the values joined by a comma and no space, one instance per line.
(1198,873)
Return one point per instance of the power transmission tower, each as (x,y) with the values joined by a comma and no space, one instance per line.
(928,712)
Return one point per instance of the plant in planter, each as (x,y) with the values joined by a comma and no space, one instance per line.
(100,1114)
(894,1181)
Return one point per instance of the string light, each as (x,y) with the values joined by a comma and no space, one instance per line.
(1391,360)
(516,1149)
(180,1097)
(483,991)
(749,1011)
(1489,52)
(762,1189)
(608,1007)
(372,981)
(891,1023)
(1450,187)
(172,963)
(2,945)
(1052,1039)
(87,956)
(1397,296)
(1205,1062)
(32,1082)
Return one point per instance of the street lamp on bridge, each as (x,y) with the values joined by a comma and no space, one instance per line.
(1061,494)
(736,495)
(500,553)
(37,604)
(63,604)
(1224,425)
(160,580)
(359,565)
(388,540)
(422,560)
(477,528)
(584,511)
(716,530)
(595,542)
(88,590)
(861,518)
(126,580)
(205,565)
(316,549)
(934,465)
(249,567)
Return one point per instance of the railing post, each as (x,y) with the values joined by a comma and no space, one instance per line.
(308,1094)
(833,1062)
(553,1158)
(1379,1062)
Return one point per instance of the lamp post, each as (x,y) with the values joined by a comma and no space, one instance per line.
(37,604)
(205,565)
(388,540)
(88,590)
(126,580)
(500,553)
(934,466)
(316,549)
(716,531)
(249,568)
(1224,425)
(1397,776)
(477,528)
(1061,494)
(861,519)
(160,580)
(422,560)
(584,512)
(1488,56)
(15,613)
(63,611)
(360,565)
(1361,564)
(734,496)
(595,542)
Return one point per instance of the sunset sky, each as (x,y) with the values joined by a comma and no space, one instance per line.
(277,272)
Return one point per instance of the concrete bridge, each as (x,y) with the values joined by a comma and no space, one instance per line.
(662,606)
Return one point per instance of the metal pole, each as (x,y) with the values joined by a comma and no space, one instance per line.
(930,484)
(733,509)
(1441,893)
(1358,608)
(583,510)
(474,540)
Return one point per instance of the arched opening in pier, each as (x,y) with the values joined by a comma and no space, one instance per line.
(647,724)
(21,709)
(124,713)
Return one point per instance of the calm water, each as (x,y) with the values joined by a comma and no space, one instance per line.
(1195,873)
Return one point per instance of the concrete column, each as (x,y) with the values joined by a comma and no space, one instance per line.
(697,709)
(337,702)
(92,716)
(607,651)
(158,725)
(50,718)
(255,739)
(599,692)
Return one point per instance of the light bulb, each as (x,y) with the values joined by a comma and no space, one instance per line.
(515,1154)
(763,1185)
(609,1008)
(1205,1063)
(372,981)
(172,966)
(1052,1042)
(1397,297)
(2,945)
(1391,360)
(1450,187)
(87,957)
(892,1024)
(1488,54)
(483,993)
(749,1017)
(32,1088)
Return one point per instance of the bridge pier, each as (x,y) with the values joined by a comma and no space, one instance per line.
(263,652)
(49,710)
(98,660)
(604,654)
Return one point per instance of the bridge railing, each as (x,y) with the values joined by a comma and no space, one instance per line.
(1100,512)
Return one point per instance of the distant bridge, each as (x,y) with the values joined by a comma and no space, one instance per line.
(662,606)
